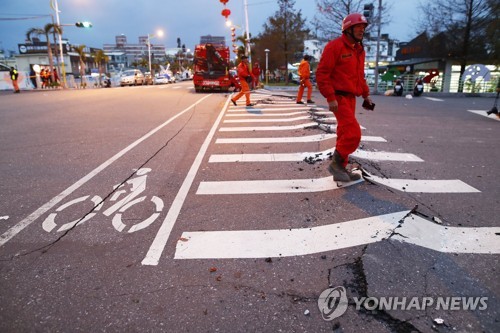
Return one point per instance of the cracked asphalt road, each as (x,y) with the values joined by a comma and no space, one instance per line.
(90,278)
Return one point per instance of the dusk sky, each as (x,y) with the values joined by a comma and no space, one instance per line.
(186,19)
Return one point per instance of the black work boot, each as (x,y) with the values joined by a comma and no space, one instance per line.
(337,169)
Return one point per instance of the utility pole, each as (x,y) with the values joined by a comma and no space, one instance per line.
(63,69)
(248,50)
(378,45)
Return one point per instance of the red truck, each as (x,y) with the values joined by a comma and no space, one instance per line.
(211,67)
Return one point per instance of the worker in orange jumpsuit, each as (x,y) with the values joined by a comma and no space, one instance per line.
(246,78)
(256,74)
(340,78)
(304,72)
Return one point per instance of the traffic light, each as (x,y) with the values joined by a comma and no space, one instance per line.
(83,24)
(368,11)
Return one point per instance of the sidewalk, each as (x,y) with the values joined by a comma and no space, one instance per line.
(295,88)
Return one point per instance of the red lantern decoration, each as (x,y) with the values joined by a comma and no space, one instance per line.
(226,12)
(224,2)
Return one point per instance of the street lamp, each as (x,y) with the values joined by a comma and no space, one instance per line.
(267,61)
(159,33)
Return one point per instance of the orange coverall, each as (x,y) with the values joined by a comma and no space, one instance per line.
(243,73)
(340,76)
(304,72)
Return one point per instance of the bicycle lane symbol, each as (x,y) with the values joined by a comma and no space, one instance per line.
(136,186)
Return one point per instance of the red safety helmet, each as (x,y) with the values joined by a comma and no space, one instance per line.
(353,19)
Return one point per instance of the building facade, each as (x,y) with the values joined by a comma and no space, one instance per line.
(124,53)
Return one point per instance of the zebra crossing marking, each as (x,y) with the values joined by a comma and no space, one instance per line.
(297,157)
(411,229)
(484,114)
(294,139)
(267,128)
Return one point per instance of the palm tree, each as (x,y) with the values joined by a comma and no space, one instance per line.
(99,58)
(80,49)
(48,29)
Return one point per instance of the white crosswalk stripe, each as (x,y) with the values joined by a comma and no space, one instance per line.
(294,139)
(295,242)
(299,242)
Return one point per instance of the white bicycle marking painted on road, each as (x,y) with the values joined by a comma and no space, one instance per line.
(13,231)
(137,186)
(411,229)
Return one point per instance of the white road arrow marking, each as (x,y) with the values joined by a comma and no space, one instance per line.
(411,229)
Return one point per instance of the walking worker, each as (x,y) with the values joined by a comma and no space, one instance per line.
(14,74)
(340,78)
(246,78)
(304,72)
(256,74)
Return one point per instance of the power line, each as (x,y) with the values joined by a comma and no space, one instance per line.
(30,17)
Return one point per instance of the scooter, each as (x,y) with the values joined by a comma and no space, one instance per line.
(398,88)
(106,83)
(418,89)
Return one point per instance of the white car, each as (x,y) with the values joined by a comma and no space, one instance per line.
(131,77)
(162,79)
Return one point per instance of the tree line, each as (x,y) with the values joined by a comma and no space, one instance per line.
(467,29)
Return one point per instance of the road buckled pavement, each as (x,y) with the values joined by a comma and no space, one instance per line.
(271,108)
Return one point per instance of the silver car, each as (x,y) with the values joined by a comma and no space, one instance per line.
(132,77)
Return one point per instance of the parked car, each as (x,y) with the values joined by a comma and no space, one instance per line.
(162,79)
(148,79)
(132,77)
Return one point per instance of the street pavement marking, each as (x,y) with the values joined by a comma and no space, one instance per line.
(277,120)
(424,185)
(156,249)
(259,114)
(271,186)
(297,157)
(400,226)
(434,99)
(327,183)
(267,128)
(267,109)
(9,234)
(484,114)
(294,139)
